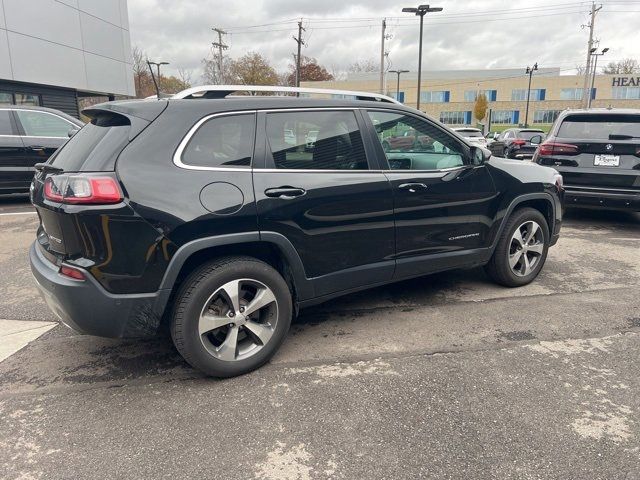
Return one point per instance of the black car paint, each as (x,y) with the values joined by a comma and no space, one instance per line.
(505,147)
(350,230)
(19,152)
(597,187)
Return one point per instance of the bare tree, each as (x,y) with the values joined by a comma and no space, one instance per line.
(185,76)
(580,69)
(211,71)
(627,66)
(364,66)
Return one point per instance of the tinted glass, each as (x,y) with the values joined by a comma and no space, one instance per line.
(411,143)
(225,141)
(40,124)
(95,147)
(5,123)
(529,134)
(470,133)
(316,141)
(599,126)
(6,98)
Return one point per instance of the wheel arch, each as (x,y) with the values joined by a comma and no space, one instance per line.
(543,202)
(270,247)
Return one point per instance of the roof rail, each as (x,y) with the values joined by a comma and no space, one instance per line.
(222,91)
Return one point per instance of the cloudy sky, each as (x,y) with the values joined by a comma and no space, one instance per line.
(467,34)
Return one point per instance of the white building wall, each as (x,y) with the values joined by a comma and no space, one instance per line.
(81,44)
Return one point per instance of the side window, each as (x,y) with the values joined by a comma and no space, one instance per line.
(5,123)
(411,143)
(225,141)
(39,124)
(322,140)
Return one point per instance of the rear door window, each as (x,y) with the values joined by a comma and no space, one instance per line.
(599,127)
(41,124)
(323,140)
(223,141)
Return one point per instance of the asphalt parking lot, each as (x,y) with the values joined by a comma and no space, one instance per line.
(448,376)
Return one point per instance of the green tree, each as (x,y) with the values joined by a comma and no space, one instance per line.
(480,108)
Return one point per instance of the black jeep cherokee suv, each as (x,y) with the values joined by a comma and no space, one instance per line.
(223,217)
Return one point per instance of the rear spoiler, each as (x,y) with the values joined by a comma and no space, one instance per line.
(135,113)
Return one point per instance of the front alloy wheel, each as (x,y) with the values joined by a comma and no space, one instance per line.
(527,246)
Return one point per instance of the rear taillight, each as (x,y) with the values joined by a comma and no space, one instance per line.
(552,148)
(82,189)
(519,142)
(71,272)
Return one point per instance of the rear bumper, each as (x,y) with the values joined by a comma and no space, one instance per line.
(607,199)
(85,306)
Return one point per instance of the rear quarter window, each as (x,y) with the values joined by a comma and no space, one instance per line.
(223,141)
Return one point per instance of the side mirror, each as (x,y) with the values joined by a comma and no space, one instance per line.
(72,132)
(479,155)
(536,140)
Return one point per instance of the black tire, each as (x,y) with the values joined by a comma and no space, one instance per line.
(196,291)
(498,267)
(505,154)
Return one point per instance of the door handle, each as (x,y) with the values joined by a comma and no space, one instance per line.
(286,193)
(37,149)
(412,187)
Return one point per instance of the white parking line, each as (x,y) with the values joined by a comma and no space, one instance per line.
(18,213)
(17,334)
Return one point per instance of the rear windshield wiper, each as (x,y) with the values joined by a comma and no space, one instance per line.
(615,136)
(47,167)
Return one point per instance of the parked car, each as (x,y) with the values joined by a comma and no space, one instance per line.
(473,135)
(407,140)
(178,220)
(29,135)
(598,153)
(518,143)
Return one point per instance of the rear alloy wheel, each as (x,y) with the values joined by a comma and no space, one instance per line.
(231,316)
(521,250)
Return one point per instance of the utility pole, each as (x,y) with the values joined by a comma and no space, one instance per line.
(300,42)
(530,71)
(587,70)
(220,46)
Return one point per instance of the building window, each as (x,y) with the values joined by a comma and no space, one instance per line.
(520,94)
(472,95)
(626,93)
(399,96)
(575,93)
(435,96)
(505,116)
(545,116)
(6,98)
(456,118)
(27,99)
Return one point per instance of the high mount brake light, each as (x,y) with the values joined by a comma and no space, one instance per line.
(82,189)
(552,148)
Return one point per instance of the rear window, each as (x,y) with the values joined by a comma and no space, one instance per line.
(528,135)
(96,146)
(599,127)
(470,133)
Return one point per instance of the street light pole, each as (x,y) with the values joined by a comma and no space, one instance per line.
(593,77)
(530,71)
(420,11)
(398,72)
(157,64)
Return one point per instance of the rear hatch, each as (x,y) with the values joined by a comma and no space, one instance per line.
(80,179)
(600,150)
